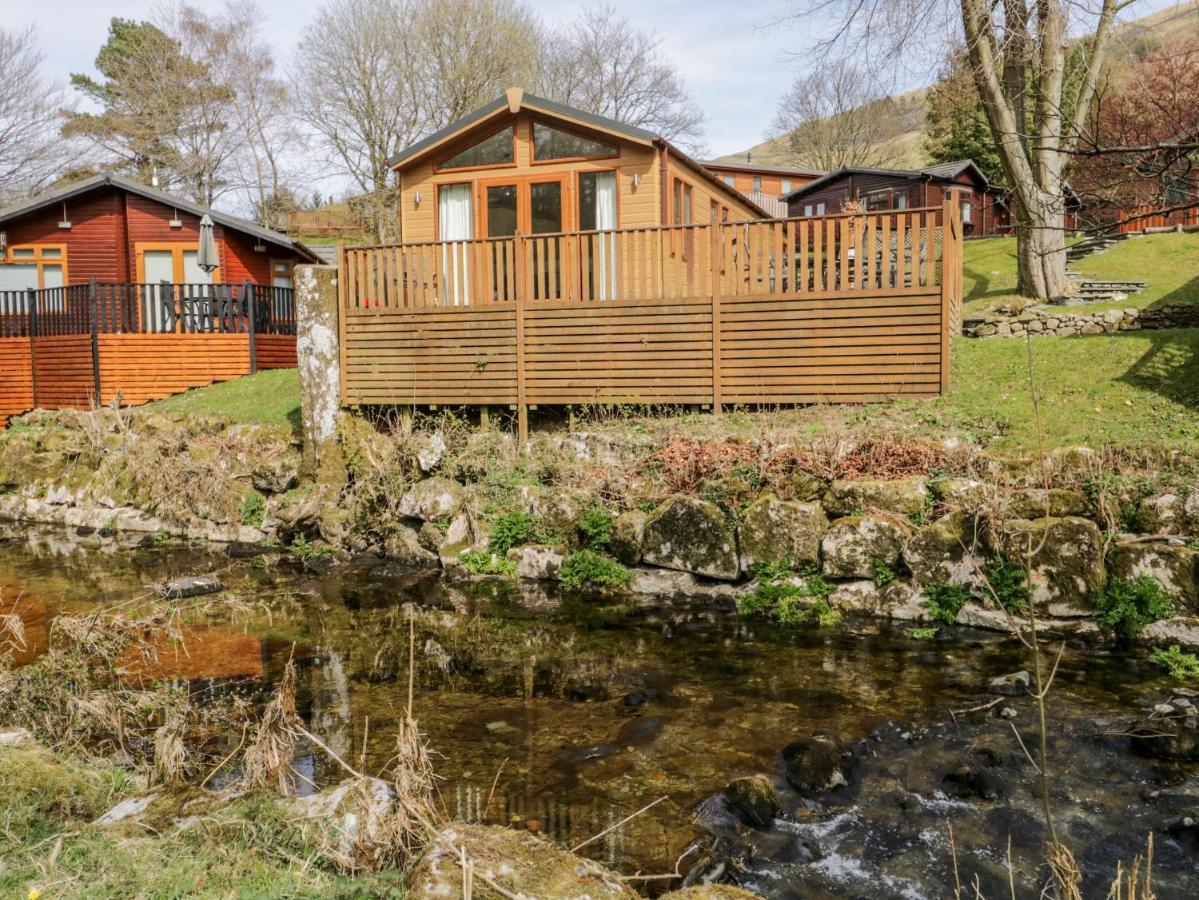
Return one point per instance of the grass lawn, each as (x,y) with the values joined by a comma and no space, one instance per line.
(1169,263)
(271,398)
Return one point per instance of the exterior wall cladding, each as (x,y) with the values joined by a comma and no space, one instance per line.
(107,224)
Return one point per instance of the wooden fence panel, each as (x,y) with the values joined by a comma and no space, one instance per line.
(145,367)
(62,371)
(16,378)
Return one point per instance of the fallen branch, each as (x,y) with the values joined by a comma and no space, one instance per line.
(592,840)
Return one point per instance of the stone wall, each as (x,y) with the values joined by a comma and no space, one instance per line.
(1064,322)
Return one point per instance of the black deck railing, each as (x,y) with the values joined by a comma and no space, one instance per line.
(146,308)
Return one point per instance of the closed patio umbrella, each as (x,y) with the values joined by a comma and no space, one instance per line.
(206,254)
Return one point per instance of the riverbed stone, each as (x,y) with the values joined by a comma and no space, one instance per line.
(521,863)
(711,892)
(1173,566)
(902,496)
(1171,734)
(627,536)
(946,551)
(1014,684)
(816,763)
(539,562)
(432,499)
(191,586)
(1067,557)
(752,800)
(774,530)
(691,535)
(665,584)
(1032,503)
(854,545)
(403,544)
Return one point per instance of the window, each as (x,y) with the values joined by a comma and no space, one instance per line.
(807,209)
(281,272)
(729,180)
(553,143)
(966,212)
(492,151)
(785,185)
(33,266)
(172,262)
(757,184)
(597,201)
(820,209)
(877,200)
(682,202)
(901,200)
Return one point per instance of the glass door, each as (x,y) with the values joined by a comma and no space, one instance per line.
(501,215)
(158,306)
(545,218)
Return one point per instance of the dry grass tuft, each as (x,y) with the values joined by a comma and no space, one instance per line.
(267,761)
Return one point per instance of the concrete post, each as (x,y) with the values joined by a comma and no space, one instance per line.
(317,355)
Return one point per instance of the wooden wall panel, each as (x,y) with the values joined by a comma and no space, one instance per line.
(93,242)
(449,355)
(16,378)
(147,367)
(628,352)
(62,370)
(275,351)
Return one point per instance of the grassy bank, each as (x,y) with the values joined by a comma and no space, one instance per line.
(51,849)
(1126,389)
(1168,263)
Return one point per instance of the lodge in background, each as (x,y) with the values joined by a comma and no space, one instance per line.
(102,296)
(765,184)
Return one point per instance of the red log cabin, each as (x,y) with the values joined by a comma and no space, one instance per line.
(115,229)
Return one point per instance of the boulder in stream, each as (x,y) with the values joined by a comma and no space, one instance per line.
(816,763)
(752,800)
(691,536)
(190,586)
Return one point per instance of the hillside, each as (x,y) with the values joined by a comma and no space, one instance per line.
(904,113)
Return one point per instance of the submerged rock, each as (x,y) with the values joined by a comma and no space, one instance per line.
(854,546)
(816,763)
(711,892)
(520,863)
(1015,684)
(774,530)
(752,800)
(190,586)
(1170,731)
(903,496)
(691,536)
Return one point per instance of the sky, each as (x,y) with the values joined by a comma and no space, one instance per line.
(735,58)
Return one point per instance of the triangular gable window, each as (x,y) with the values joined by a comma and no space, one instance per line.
(492,151)
(552,143)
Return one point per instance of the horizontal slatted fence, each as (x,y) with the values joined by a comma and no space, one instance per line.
(16,377)
(846,308)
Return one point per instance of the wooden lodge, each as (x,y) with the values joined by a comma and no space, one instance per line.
(553,258)
(101,295)
(764,184)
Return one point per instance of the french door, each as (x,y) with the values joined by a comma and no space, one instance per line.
(533,206)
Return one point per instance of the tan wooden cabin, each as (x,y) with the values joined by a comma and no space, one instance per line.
(523,164)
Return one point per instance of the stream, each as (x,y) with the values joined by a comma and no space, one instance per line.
(564,715)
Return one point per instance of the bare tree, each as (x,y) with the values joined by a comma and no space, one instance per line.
(836,117)
(470,51)
(357,87)
(604,64)
(29,106)
(1036,85)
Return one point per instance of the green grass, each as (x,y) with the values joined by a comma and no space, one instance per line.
(245,849)
(269,398)
(1169,263)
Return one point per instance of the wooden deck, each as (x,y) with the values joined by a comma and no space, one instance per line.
(848,308)
(82,346)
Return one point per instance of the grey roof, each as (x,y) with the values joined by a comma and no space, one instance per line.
(941,171)
(772,168)
(108,179)
(501,102)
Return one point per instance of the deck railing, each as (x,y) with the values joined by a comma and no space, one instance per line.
(147,308)
(846,307)
(786,256)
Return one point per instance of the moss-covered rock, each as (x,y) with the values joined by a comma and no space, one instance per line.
(903,496)
(539,562)
(1173,566)
(627,536)
(403,545)
(946,551)
(692,536)
(774,530)
(1066,564)
(752,800)
(1169,513)
(711,892)
(556,510)
(520,863)
(959,493)
(432,499)
(1033,503)
(854,546)
(799,485)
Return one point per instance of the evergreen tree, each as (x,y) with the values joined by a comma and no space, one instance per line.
(955,123)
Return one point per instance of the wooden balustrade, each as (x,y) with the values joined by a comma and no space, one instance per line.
(849,307)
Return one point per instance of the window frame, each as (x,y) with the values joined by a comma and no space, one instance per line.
(39,260)
(756,184)
(177,248)
(462,147)
(784,185)
(578,195)
(577,132)
(290,263)
(887,195)
(682,196)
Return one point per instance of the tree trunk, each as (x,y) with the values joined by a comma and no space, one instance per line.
(1041,259)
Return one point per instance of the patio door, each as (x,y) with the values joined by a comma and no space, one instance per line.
(158,313)
(530,206)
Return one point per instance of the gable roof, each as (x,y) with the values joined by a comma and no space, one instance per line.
(108,179)
(515,99)
(763,168)
(940,172)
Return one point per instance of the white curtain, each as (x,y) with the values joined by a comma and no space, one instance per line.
(454,227)
(605,220)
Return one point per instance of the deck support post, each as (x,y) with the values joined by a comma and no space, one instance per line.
(522,408)
(406,416)
(717,404)
(951,263)
(93,296)
(484,416)
(31,312)
(250,302)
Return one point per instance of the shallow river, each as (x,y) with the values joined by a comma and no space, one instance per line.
(564,715)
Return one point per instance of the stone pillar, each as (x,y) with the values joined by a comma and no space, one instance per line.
(318,356)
